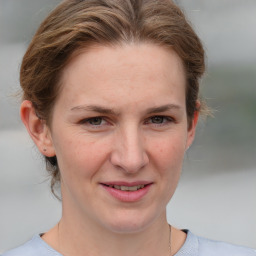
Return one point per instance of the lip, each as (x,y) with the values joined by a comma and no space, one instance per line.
(127,196)
(127,184)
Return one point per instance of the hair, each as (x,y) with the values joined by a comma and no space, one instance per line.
(76,24)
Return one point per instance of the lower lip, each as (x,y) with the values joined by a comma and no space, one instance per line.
(128,196)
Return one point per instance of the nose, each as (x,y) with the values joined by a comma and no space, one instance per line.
(129,153)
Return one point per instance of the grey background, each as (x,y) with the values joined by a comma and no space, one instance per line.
(216,197)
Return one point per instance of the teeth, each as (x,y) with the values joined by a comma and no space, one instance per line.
(125,188)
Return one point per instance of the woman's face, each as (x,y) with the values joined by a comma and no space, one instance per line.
(119,131)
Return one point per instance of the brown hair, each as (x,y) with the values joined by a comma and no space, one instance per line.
(76,24)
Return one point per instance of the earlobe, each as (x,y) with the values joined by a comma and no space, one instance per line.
(37,129)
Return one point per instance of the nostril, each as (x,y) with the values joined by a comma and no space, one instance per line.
(130,165)
(129,153)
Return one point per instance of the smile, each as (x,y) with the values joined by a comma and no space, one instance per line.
(127,192)
(126,188)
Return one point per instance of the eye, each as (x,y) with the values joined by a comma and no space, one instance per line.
(95,121)
(157,119)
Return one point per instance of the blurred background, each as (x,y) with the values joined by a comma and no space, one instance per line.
(216,197)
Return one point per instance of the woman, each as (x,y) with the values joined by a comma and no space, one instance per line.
(111,101)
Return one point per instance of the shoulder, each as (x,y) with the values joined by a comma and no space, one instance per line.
(199,246)
(35,246)
(211,247)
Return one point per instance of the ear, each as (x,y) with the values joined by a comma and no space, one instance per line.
(192,128)
(37,129)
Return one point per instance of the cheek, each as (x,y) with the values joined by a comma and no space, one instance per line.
(167,159)
(168,153)
(80,156)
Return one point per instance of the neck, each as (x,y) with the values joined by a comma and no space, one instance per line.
(87,240)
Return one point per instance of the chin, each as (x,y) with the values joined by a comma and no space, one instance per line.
(130,222)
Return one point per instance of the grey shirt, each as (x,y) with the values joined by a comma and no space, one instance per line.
(193,246)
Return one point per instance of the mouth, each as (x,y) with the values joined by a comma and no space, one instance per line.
(128,191)
(126,188)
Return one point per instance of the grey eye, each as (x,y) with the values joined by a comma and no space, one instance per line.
(157,119)
(95,121)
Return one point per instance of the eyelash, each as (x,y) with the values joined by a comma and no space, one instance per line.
(165,121)
(88,120)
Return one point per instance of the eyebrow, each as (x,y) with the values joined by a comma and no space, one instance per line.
(104,110)
(163,108)
(94,108)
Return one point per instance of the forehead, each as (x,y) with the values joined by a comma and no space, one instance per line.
(140,70)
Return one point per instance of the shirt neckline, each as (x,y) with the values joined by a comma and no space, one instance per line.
(190,246)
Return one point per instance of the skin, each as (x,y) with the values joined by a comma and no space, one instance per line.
(120,116)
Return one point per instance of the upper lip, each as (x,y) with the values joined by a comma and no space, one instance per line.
(125,183)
